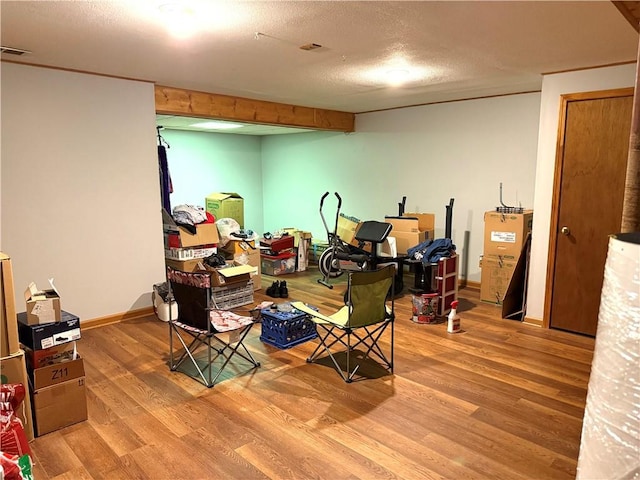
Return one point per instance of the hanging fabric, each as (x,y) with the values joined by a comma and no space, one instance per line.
(163,166)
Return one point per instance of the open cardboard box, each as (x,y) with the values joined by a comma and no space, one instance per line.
(13,369)
(206,233)
(43,306)
(225,205)
(222,277)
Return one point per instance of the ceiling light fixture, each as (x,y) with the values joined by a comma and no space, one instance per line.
(180,19)
(213,125)
(397,76)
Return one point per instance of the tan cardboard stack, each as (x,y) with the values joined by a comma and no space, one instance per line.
(411,229)
(225,205)
(504,237)
(183,249)
(245,252)
(13,367)
(56,373)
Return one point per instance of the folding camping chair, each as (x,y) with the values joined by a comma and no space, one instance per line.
(361,323)
(199,324)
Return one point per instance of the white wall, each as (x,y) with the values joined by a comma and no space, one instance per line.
(201,163)
(80,193)
(553,86)
(80,188)
(460,150)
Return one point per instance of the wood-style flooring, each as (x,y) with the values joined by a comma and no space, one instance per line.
(501,400)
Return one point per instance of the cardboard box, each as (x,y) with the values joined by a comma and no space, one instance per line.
(278,265)
(410,231)
(249,257)
(496,275)
(505,233)
(180,237)
(298,235)
(184,265)
(189,253)
(9,343)
(50,356)
(13,370)
(39,337)
(347,228)
(302,252)
(426,221)
(222,277)
(239,246)
(225,205)
(59,405)
(54,374)
(43,306)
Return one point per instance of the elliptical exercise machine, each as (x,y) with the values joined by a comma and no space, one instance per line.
(341,256)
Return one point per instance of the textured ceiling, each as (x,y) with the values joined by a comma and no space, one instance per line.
(251,48)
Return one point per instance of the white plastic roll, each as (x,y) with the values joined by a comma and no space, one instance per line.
(610,445)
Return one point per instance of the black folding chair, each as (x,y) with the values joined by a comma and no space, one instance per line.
(201,328)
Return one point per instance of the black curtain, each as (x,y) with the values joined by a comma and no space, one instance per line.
(165,180)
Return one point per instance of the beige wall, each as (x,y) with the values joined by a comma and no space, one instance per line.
(80,195)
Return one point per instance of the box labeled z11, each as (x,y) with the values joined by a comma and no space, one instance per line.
(39,337)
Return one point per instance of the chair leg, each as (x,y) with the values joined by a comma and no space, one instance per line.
(369,341)
(234,350)
(208,374)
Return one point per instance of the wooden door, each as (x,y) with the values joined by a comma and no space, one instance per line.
(589,188)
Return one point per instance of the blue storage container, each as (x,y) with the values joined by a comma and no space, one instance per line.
(286,329)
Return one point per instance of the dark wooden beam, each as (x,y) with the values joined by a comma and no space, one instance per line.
(630,11)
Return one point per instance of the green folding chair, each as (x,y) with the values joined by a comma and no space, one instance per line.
(357,329)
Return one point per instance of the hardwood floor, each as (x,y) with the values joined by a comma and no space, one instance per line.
(500,400)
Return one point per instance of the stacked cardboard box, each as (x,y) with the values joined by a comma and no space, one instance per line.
(504,237)
(55,370)
(245,252)
(183,249)
(12,364)
(411,229)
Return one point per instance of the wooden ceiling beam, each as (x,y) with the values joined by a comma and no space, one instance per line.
(630,11)
(177,101)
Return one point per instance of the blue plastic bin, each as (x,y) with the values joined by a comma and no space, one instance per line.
(286,329)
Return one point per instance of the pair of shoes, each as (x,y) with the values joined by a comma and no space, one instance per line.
(278,289)
(274,290)
(284,291)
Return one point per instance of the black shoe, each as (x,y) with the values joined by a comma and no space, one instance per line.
(283,290)
(274,290)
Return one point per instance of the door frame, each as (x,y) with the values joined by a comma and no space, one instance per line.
(557,183)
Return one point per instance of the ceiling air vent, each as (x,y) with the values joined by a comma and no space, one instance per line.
(13,51)
(310,46)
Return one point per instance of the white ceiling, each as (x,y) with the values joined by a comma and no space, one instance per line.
(251,48)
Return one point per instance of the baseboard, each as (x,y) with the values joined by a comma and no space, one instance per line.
(470,284)
(117,318)
(532,321)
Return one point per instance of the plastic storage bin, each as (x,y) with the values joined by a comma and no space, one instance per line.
(286,329)
(232,296)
